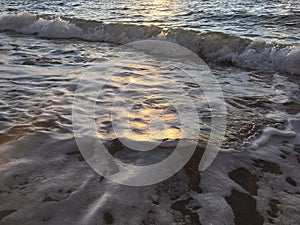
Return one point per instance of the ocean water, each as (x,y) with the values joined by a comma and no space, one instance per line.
(73,73)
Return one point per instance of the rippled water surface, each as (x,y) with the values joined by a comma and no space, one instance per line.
(55,56)
(38,82)
(272,20)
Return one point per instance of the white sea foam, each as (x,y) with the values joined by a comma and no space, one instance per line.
(268,132)
(56,184)
(212,46)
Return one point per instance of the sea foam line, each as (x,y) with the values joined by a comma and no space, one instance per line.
(212,46)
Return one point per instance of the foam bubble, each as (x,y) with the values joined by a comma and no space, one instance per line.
(268,132)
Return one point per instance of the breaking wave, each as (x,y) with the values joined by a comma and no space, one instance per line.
(212,46)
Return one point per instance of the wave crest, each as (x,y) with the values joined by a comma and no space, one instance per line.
(212,46)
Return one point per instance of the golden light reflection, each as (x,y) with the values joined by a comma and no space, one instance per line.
(171,134)
(159,10)
(151,117)
(142,81)
(152,124)
(139,75)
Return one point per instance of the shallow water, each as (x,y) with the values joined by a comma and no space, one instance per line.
(44,58)
(39,81)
